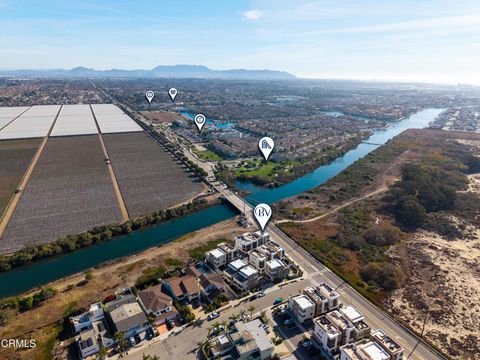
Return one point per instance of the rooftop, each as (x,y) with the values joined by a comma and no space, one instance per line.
(276,264)
(328,327)
(386,341)
(303,301)
(248,271)
(217,253)
(237,264)
(352,314)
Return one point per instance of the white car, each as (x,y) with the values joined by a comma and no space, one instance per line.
(213,315)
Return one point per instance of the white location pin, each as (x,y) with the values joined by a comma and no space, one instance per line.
(266,146)
(149,95)
(172,93)
(200,121)
(262,213)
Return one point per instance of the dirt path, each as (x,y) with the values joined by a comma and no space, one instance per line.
(8,213)
(334,210)
(385,179)
(116,187)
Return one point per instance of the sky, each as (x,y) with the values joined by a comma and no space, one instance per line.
(400,40)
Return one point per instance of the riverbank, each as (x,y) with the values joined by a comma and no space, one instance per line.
(413,262)
(100,234)
(274,174)
(75,292)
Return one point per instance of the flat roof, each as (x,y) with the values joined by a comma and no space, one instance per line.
(217,253)
(237,264)
(352,314)
(259,334)
(303,301)
(275,263)
(248,270)
(375,351)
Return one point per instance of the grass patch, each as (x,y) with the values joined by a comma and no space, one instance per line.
(207,155)
(198,252)
(174,262)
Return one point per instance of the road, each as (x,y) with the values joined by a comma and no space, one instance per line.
(186,342)
(375,317)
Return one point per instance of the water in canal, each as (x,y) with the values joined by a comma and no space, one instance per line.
(25,278)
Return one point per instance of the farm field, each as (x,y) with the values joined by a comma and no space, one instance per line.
(70,191)
(149,178)
(15,155)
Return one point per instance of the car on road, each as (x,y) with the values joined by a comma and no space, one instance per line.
(261,294)
(278,300)
(213,315)
(253,297)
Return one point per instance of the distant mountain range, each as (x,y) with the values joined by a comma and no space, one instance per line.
(174,71)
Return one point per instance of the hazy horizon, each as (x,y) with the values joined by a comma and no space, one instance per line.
(411,41)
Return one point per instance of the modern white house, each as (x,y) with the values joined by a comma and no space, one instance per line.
(365,350)
(394,350)
(85,321)
(326,334)
(249,241)
(302,308)
(332,296)
(216,258)
(233,268)
(247,278)
(276,270)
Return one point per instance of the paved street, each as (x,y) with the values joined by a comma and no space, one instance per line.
(185,343)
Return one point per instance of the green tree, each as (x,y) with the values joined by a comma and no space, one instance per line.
(251,309)
(411,213)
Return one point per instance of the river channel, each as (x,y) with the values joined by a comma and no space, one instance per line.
(22,279)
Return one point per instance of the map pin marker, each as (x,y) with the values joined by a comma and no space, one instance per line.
(266,146)
(149,95)
(262,213)
(172,93)
(200,121)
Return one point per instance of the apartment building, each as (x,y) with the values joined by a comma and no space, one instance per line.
(393,349)
(332,296)
(356,318)
(365,350)
(247,278)
(233,268)
(249,241)
(216,258)
(326,334)
(302,308)
(276,270)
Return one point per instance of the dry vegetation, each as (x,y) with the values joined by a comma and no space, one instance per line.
(76,293)
(433,267)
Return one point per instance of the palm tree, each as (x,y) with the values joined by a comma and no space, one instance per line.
(251,309)
(122,343)
(102,353)
(234,317)
(150,357)
(242,313)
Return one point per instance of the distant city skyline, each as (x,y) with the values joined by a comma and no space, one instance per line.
(426,41)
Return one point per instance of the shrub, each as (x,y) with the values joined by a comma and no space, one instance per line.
(382,235)
(386,275)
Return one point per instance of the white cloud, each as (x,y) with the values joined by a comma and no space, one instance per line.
(253,15)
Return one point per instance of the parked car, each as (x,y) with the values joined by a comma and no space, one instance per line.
(132,341)
(278,300)
(171,323)
(307,343)
(213,315)
(288,322)
(253,297)
(261,294)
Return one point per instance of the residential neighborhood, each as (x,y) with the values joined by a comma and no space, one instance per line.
(248,264)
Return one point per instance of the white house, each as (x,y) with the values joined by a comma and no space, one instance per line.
(302,308)
(326,334)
